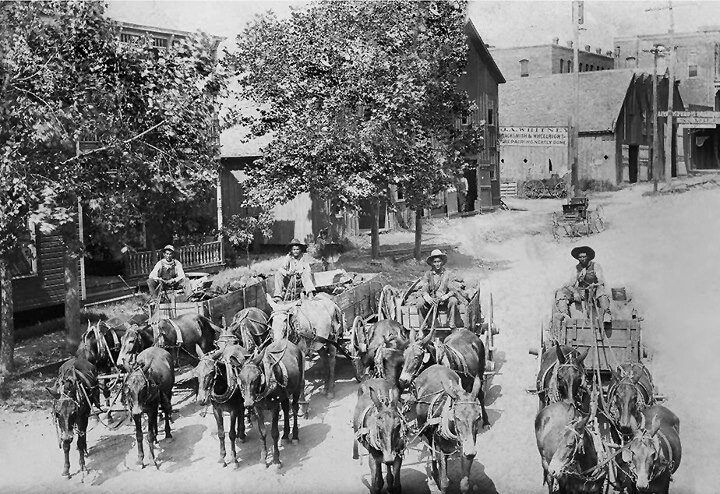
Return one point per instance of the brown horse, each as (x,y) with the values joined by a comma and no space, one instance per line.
(315,326)
(449,418)
(380,428)
(133,341)
(630,392)
(75,391)
(570,460)
(217,375)
(562,377)
(267,381)
(653,454)
(192,332)
(369,339)
(250,326)
(148,386)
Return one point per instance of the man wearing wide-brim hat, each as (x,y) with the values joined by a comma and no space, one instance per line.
(168,274)
(588,278)
(294,274)
(436,288)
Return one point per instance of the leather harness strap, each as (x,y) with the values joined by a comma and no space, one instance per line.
(178,332)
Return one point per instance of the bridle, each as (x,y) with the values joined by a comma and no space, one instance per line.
(555,390)
(662,464)
(153,391)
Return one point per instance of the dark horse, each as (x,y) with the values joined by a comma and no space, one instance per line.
(217,374)
(630,392)
(268,380)
(449,418)
(568,453)
(251,328)
(146,387)
(314,325)
(100,345)
(75,391)
(380,428)
(653,454)
(369,339)
(133,341)
(192,332)
(562,377)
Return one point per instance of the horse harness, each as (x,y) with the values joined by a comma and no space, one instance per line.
(552,390)
(100,340)
(455,359)
(66,397)
(363,433)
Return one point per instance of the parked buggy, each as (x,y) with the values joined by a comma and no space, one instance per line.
(555,186)
(577,219)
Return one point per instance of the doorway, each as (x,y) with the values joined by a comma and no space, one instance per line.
(633,151)
(471,196)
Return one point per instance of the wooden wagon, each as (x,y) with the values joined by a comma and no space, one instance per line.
(394,304)
(577,219)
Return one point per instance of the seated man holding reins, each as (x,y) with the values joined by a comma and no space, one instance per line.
(437,289)
(587,283)
(294,275)
(168,274)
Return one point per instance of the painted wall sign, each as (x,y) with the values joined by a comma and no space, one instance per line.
(694,117)
(533,136)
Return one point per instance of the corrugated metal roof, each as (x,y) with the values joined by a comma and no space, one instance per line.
(548,101)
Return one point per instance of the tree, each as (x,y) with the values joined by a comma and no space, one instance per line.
(67,78)
(242,230)
(358,96)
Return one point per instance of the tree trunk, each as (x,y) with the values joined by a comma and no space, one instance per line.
(375,230)
(418,234)
(7,330)
(72,302)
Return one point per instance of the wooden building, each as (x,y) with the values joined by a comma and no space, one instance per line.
(614,126)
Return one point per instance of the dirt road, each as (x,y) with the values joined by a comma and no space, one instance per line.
(662,248)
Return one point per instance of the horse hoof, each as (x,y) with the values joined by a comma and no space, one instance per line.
(65,474)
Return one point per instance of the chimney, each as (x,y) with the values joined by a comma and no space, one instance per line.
(569,44)
(598,51)
(587,48)
(556,40)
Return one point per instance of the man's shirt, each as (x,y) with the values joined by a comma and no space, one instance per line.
(165,270)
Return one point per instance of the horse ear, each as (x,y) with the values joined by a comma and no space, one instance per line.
(270,301)
(54,394)
(636,378)
(581,356)
(375,398)
(477,386)
(642,421)
(199,351)
(560,355)
(394,395)
(655,426)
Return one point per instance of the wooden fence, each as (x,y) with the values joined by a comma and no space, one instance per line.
(191,256)
(508,189)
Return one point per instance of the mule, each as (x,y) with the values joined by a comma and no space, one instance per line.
(75,391)
(653,454)
(147,387)
(562,377)
(100,345)
(217,376)
(367,340)
(380,427)
(449,418)
(631,391)
(191,332)
(268,380)
(314,325)
(569,458)
(250,326)
(133,341)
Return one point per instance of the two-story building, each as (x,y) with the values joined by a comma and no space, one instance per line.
(552,58)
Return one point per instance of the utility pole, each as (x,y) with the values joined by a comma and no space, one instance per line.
(657,51)
(669,128)
(578,15)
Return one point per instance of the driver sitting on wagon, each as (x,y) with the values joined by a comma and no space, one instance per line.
(588,275)
(293,274)
(168,274)
(437,288)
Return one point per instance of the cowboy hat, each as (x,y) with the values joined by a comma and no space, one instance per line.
(297,242)
(583,250)
(169,247)
(436,253)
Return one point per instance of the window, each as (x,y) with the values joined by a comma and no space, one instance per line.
(592,68)
(160,42)
(586,67)
(692,70)
(491,114)
(562,65)
(464,120)
(524,68)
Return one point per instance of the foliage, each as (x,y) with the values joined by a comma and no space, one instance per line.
(148,112)
(357,96)
(241,230)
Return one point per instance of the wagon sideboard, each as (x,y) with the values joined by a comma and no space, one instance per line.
(619,344)
(360,300)
(470,315)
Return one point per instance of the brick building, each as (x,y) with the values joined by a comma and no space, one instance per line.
(542,60)
(697,64)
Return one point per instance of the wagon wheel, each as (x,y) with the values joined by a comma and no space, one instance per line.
(407,292)
(599,223)
(490,338)
(556,225)
(358,325)
(386,304)
(530,189)
(560,191)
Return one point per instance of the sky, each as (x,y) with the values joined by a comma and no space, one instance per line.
(500,23)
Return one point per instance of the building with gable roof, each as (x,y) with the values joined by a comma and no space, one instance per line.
(614,126)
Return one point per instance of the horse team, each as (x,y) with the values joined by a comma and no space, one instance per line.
(625,440)
(411,385)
